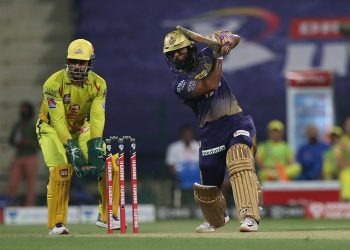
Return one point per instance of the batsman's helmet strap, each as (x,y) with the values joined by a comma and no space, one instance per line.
(175,40)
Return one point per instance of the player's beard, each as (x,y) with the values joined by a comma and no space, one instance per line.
(188,63)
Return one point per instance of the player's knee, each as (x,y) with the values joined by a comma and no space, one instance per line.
(239,158)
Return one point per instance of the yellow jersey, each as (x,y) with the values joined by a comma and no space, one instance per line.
(67,106)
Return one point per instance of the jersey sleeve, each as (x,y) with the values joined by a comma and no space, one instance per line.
(97,112)
(56,110)
(184,87)
(208,54)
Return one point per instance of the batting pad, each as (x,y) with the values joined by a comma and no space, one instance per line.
(58,194)
(103,189)
(212,203)
(245,186)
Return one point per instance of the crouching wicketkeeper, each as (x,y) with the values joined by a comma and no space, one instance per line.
(68,141)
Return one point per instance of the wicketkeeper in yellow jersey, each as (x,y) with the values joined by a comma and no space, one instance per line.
(68,141)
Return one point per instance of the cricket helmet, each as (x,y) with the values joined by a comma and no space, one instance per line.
(176,40)
(82,50)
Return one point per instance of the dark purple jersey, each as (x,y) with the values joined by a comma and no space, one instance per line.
(211,106)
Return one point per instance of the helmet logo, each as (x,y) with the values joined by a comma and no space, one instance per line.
(79,51)
(172,40)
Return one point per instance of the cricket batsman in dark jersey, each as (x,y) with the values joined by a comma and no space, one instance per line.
(228,138)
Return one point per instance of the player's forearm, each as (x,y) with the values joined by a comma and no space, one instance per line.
(212,81)
(62,130)
(97,118)
(96,129)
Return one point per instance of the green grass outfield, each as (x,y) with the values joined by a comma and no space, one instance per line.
(179,234)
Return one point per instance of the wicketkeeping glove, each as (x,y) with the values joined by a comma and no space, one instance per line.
(96,155)
(227,40)
(75,157)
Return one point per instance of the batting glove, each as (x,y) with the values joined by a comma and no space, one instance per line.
(96,155)
(227,40)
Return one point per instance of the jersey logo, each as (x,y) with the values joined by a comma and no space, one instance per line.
(180,86)
(204,72)
(66,99)
(51,103)
(79,51)
(64,173)
(208,66)
(201,75)
(241,132)
(172,40)
(212,151)
(191,86)
(75,107)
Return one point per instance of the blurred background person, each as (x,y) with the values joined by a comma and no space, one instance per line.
(182,158)
(25,164)
(275,158)
(310,155)
(330,169)
(342,156)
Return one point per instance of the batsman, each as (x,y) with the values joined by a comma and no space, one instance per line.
(69,129)
(227,136)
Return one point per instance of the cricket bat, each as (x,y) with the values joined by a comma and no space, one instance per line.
(198,37)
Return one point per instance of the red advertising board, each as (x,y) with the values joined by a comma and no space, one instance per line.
(309,78)
(300,192)
(317,28)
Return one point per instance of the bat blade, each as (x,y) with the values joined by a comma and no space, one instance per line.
(197,37)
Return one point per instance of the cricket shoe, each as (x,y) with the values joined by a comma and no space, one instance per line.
(206,227)
(248,225)
(115,222)
(58,230)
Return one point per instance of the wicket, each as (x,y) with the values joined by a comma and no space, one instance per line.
(133,182)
